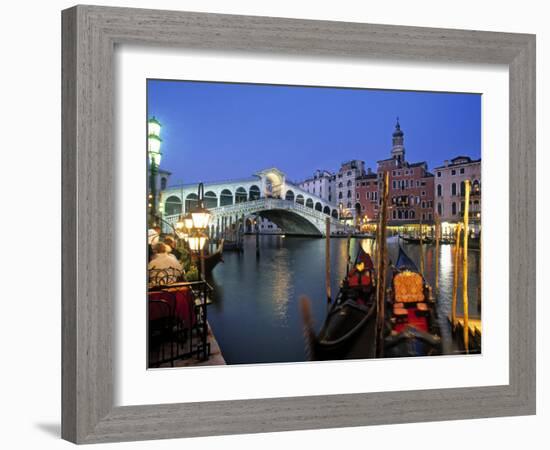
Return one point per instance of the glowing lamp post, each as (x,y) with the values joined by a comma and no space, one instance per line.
(196,241)
(197,222)
(201,216)
(153,151)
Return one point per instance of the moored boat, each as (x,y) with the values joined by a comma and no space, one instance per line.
(212,259)
(349,329)
(412,327)
(416,240)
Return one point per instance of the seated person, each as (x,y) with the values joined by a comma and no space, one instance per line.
(164,268)
(171,242)
(153,235)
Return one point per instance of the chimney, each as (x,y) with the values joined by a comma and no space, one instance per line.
(446,163)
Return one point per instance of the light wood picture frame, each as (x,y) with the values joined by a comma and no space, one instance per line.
(90,34)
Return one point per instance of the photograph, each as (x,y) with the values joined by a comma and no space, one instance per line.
(290,224)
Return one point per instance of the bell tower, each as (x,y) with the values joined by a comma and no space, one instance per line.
(398,150)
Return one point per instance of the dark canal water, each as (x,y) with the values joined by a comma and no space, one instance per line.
(255,312)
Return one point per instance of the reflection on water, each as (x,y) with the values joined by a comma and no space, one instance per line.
(255,314)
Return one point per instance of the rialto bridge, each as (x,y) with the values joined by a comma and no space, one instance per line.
(266,194)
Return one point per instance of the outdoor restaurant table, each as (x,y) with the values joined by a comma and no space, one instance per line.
(181,299)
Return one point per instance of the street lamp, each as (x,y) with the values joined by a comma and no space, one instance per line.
(196,241)
(197,222)
(201,216)
(153,151)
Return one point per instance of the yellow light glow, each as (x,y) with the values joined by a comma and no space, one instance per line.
(188,221)
(201,219)
(154,128)
(196,242)
(154,144)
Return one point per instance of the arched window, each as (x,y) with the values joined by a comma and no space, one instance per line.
(210,200)
(439,190)
(406,214)
(163,183)
(393,213)
(453,189)
(191,202)
(453,209)
(318,207)
(240,195)
(334,213)
(476,186)
(358,208)
(340,195)
(340,185)
(309,203)
(226,197)
(348,205)
(462,188)
(349,183)
(300,199)
(254,192)
(172,206)
(326,210)
(439,209)
(411,214)
(289,196)
(349,194)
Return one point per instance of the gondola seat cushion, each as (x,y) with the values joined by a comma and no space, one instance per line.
(422,310)
(400,314)
(409,287)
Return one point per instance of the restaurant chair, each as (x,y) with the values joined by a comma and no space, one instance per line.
(160,329)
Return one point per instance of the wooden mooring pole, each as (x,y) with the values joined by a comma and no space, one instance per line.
(381,269)
(437,237)
(465,264)
(455,274)
(327,260)
(257,225)
(421,249)
(348,244)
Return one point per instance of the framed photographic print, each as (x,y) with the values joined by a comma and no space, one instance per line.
(278,224)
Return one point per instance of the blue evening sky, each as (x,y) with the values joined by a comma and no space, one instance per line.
(221,131)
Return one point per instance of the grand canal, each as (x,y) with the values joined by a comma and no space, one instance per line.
(255,311)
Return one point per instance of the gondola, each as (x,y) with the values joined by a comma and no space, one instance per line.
(415,240)
(364,235)
(412,327)
(446,241)
(474,243)
(233,246)
(211,260)
(348,331)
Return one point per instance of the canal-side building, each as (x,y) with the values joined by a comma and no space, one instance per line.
(345,187)
(450,188)
(366,196)
(411,185)
(320,184)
